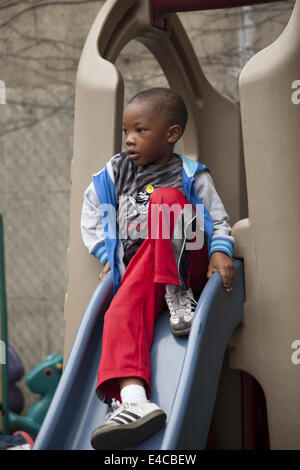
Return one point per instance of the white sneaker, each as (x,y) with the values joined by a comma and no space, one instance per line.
(182,306)
(127,425)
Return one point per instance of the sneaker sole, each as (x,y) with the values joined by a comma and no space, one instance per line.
(180,332)
(123,436)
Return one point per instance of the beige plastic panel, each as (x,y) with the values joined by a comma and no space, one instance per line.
(269,240)
(212,134)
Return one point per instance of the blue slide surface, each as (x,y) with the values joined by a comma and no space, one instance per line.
(185,372)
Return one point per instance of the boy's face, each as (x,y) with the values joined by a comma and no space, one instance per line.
(147,136)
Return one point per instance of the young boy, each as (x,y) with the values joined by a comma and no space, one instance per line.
(143,218)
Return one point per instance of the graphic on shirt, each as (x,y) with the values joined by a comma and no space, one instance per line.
(139,206)
(149,189)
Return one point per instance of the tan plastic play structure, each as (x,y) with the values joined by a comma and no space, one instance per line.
(267,240)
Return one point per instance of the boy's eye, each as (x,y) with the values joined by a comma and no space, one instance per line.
(125,131)
(140,130)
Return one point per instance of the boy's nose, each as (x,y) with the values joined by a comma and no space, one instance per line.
(129,139)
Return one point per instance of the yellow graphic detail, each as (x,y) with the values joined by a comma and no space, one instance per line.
(149,189)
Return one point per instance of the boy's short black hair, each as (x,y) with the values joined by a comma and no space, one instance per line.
(167,102)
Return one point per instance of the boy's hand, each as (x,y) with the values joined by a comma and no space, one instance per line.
(221,263)
(104,271)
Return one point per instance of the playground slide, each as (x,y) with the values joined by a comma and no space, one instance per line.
(185,372)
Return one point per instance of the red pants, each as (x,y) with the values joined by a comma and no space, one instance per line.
(129,321)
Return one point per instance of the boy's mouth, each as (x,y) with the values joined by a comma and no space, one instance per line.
(133,154)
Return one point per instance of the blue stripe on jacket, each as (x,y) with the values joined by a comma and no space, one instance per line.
(105,190)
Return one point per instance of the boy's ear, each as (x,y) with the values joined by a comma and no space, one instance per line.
(174,133)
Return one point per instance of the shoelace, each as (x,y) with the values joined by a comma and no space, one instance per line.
(183,297)
(115,404)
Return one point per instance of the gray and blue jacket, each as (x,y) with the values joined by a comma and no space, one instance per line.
(99,225)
